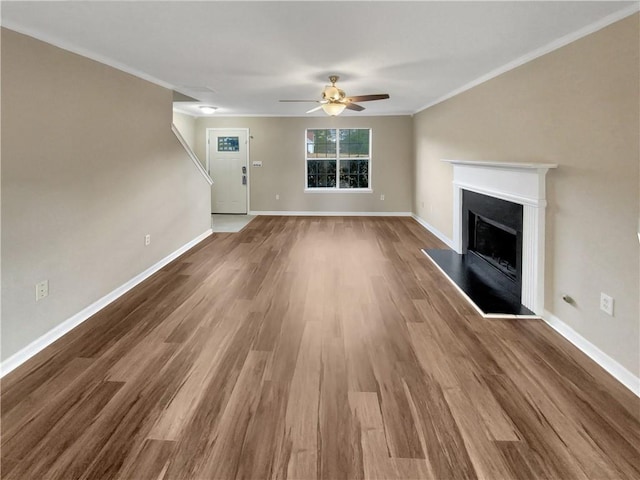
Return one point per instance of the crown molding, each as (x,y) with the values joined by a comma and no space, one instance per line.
(69,47)
(539,52)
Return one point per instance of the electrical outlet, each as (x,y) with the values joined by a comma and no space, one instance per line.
(382,197)
(277,196)
(606,303)
(42,290)
(147,239)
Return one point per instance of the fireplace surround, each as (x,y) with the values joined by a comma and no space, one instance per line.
(523,185)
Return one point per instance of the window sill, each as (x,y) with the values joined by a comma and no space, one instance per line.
(338,190)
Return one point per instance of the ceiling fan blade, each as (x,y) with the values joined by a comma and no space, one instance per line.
(315,109)
(368,98)
(308,101)
(354,106)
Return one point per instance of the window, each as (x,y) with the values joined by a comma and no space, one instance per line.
(338,158)
(228,144)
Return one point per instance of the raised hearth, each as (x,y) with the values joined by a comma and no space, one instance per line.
(485,291)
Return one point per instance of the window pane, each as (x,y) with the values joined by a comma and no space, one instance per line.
(321,143)
(228,144)
(363,181)
(354,174)
(321,173)
(346,181)
(354,143)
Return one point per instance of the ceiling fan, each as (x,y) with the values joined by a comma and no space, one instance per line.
(334,100)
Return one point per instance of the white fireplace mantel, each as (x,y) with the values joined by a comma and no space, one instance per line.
(521,183)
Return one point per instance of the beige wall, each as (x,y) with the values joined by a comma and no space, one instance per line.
(186,125)
(577,107)
(89,166)
(106,169)
(279,142)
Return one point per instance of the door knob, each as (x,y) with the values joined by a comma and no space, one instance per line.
(244,179)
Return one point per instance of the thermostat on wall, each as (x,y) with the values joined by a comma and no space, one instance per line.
(257,163)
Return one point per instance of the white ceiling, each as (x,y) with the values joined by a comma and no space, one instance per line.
(243,57)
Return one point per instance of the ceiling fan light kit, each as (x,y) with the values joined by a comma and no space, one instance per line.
(333,109)
(335,101)
(331,93)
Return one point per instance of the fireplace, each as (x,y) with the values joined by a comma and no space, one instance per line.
(498,240)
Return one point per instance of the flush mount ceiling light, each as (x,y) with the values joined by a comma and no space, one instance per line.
(208,110)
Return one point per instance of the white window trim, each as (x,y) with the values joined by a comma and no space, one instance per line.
(337,188)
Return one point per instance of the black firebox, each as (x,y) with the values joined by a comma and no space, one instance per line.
(495,243)
(489,270)
(492,239)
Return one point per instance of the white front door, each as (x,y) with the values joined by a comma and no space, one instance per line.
(228,167)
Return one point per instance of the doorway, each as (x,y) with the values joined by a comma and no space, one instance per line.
(227,164)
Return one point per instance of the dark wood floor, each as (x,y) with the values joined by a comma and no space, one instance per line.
(308,348)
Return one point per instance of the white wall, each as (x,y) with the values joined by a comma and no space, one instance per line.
(89,166)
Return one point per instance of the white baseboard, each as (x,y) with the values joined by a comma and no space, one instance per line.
(54,334)
(619,372)
(441,236)
(329,214)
